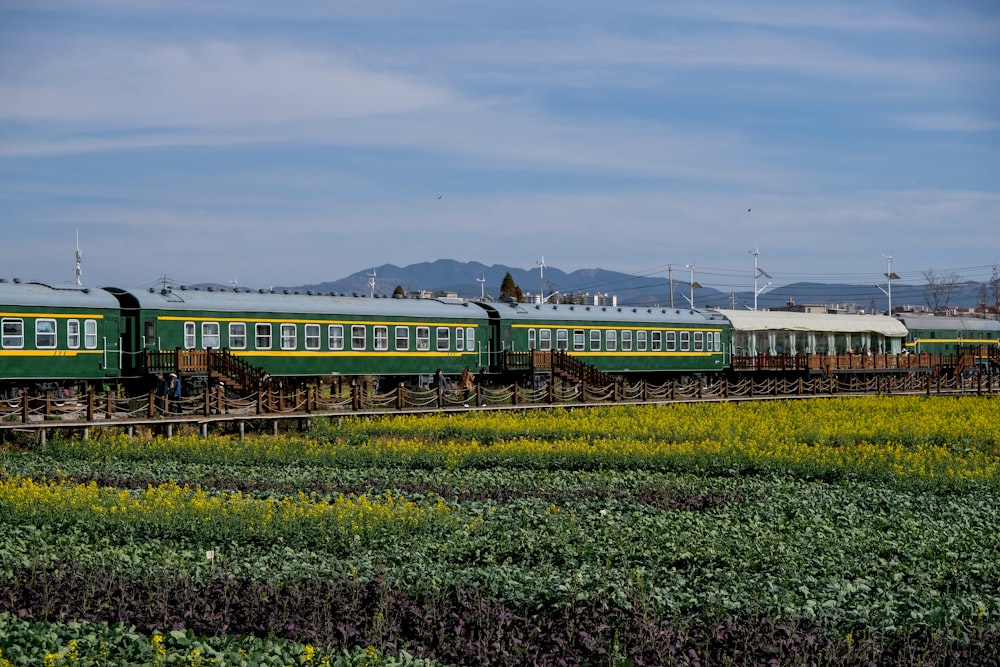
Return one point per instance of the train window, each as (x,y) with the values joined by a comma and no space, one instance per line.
(626,340)
(718,341)
(562,339)
(288,336)
(45,334)
(312,336)
(13,332)
(544,339)
(73,334)
(189,335)
(459,339)
(423,338)
(335,336)
(699,341)
(532,339)
(403,338)
(685,341)
(210,335)
(595,339)
(671,341)
(611,340)
(470,339)
(640,341)
(262,340)
(656,340)
(90,334)
(443,339)
(238,335)
(381,337)
(357,336)
(579,340)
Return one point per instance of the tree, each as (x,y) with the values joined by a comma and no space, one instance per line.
(398,292)
(939,289)
(508,288)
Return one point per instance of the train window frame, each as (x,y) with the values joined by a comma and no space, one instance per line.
(685,343)
(656,341)
(402,338)
(335,336)
(699,341)
(13,333)
(718,341)
(207,337)
(640,341)
(459,339)
(595,340)
(288,336)
(311,336)
(423,339)
(610,340)
(671,341)
(579,340)
(442,339)
(359,336)
(73,334)
(545,339)
(562,340)
(190,335)
(90,334)
(262,336)
(45,333)
(532,339)
(236,339)
(470,339)
(626,340)
(380,337)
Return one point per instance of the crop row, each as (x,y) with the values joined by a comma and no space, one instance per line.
(609,543)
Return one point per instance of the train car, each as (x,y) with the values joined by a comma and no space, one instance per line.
(628,341)
(58,339)
(300,336)
(804,343)
(932,334)
(771,332)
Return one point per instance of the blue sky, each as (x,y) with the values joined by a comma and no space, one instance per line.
(293,143)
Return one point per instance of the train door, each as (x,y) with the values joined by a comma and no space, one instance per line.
(111,342)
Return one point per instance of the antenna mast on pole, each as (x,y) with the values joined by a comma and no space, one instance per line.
(371,282)
(694,284)
(890,276)
(541,280)
(482,287)
(757,273)
(79,260)
(670,280)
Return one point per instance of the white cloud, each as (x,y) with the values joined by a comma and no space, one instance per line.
(212,84)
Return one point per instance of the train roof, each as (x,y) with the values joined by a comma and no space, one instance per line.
(42,295)
(266,301)
(769,320)
(574,313)
(948,323)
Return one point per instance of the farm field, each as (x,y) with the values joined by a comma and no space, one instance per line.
(813,532)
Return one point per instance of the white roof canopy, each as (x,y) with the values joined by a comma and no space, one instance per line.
(767,320)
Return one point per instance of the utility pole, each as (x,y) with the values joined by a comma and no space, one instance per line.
(371,282)
(693,284)
(482,287)
(890,276)
(670,279)
(757,273)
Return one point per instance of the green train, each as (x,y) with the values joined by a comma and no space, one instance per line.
(61,340)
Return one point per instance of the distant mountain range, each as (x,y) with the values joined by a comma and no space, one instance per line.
(473,280)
